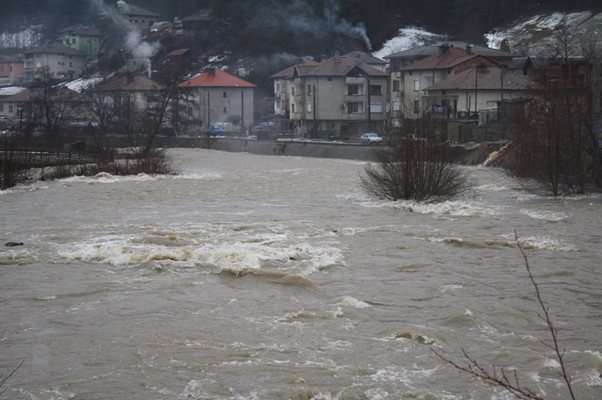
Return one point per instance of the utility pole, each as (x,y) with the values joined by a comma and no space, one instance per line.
(242,111)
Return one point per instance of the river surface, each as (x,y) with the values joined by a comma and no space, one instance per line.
(255,277)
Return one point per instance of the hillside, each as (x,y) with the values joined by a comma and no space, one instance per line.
(265,27)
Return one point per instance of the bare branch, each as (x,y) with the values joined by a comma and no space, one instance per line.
(547,318)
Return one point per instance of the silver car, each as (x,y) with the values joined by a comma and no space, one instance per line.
(370,137)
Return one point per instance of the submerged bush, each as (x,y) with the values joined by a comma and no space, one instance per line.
(414,168)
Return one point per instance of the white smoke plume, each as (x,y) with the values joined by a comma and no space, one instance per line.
(133,42)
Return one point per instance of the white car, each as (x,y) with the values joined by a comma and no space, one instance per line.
(370,138)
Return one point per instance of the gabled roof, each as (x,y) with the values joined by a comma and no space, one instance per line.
(489,78)
(216,78)
(341,66)
(55,94)
(449,58)
(54,48)
(299,69)
(11,90)
(131,9)
(331,67)
(366,58)
(433,48)
(177,52)
(81,30)
(129,83)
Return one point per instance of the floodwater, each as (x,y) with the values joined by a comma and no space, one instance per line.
(253,277)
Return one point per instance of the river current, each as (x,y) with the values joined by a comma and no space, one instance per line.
(254,277)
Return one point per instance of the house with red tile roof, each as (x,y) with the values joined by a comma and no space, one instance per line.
(337,97)
(217,96)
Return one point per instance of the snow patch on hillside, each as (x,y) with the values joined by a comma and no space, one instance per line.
(533,35)
(407,38)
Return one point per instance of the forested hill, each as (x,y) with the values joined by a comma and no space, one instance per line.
(259,27)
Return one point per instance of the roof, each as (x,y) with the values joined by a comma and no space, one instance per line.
(178,52)
(55,48)
(81,30)
(129,83)
(56,94)
(433,48)
(289,72)
(341,66)
(489,78)
(217,79)
(131,9)
(201,16)
(334,66)
(11,90)
(442,60)
(366,58)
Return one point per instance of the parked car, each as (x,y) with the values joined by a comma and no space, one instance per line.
(217,129)
(370,137)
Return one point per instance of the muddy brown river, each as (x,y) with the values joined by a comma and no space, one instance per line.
(254,277)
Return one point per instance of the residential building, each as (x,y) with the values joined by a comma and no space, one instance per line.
(339,96)
(64,104)
(138,16)
(216,96)
(12,69)
(415,78)
(83,38)
(134,91)
(6,108)
(58,60)
(200,25)
(476,90)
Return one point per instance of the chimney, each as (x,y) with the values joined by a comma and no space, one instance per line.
(469,48)
(337,56)
(443,48)
(211,71)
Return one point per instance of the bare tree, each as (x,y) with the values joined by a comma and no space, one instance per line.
(415,166)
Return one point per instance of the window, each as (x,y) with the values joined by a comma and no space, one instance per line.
(293,107)
(225,94)
(416,85)
(416,106)
(354,90)
(355,107)
(428,81)
(308,106)
(70,64)
(396,86)
(308,89)
(375,90)
(225,110)
(277,87)
(10,108)
(396,105)
(73,41)
(376,107)
(292,90)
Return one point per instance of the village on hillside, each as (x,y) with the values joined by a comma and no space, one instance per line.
(473,93)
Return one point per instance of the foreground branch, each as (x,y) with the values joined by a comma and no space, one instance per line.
(4,379)
(497,376)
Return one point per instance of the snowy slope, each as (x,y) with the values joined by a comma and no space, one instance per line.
(533,35)
(407,38)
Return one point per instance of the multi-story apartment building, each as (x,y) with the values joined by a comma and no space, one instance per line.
(339,96)
(58,60)
(83,38)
